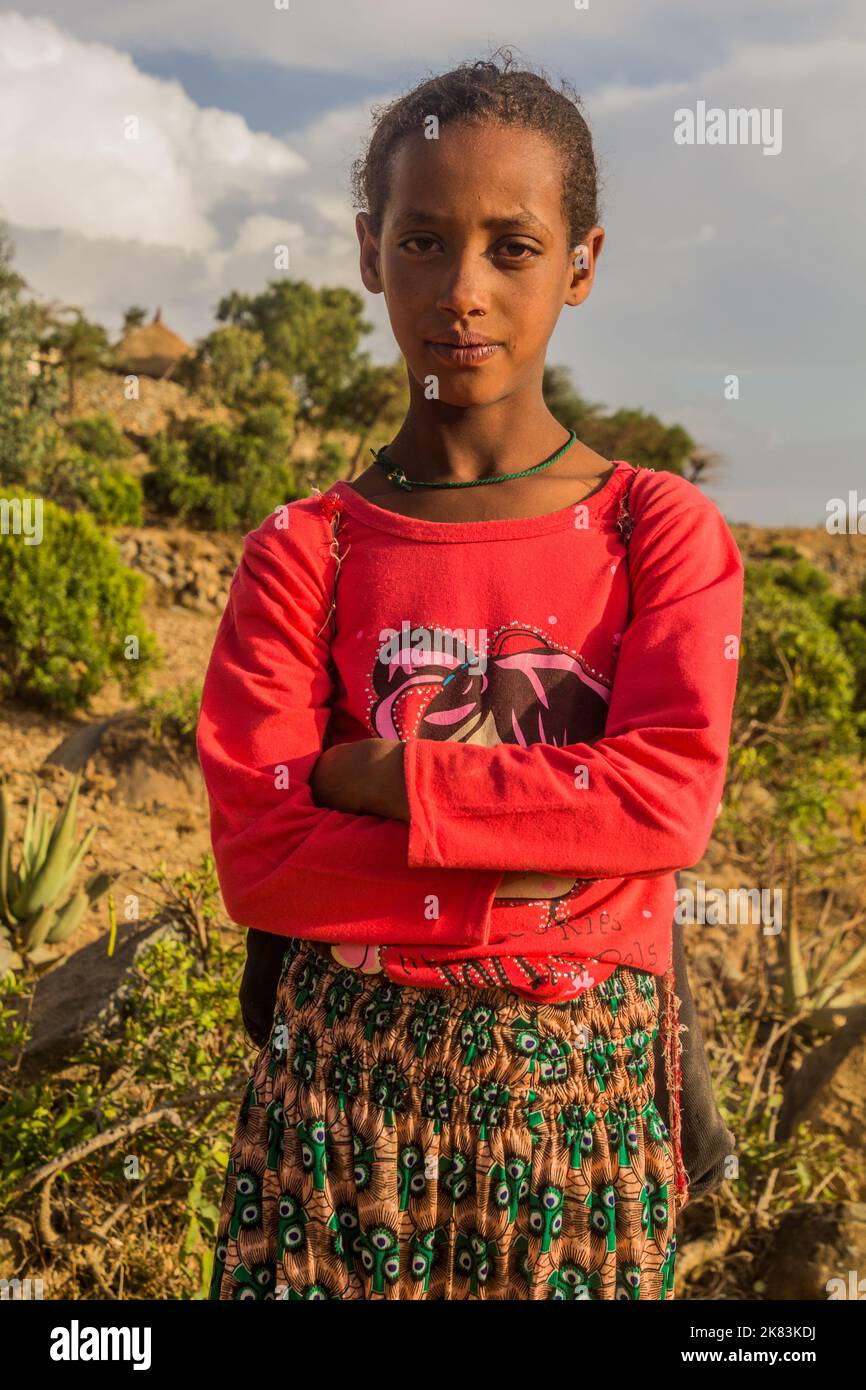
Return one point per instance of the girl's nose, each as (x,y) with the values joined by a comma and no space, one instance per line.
(463,286)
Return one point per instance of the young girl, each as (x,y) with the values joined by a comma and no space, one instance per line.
(463,721)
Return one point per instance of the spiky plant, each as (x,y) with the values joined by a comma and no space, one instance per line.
(817,990)
(36,905)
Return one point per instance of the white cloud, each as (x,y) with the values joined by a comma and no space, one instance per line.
(67,109)
(265,233)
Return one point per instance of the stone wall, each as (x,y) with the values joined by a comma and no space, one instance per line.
(189,568)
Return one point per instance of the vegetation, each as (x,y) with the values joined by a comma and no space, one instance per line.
(70,613)
(28,401)
(626,434)
(221,477)
(137,1126)
(231,368)
(134,317)
(172,715)
(34,908)
(310,335)
(81,346)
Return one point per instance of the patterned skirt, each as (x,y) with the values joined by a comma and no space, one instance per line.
(449,1144)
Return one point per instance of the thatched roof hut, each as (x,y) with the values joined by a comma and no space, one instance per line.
(153,350)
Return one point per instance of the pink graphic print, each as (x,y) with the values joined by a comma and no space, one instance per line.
(528,691)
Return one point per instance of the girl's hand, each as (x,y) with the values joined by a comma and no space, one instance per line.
(524,885)
(364,777)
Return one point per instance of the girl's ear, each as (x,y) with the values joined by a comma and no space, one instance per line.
(582,268)
(369,254)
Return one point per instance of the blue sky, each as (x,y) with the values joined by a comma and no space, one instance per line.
(718,259)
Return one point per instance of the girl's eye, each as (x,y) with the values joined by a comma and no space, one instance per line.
(513,248)
(416,239)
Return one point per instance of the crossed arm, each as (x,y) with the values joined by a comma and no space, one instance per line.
(367,778)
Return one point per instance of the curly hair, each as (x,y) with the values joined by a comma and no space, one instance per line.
(478,92)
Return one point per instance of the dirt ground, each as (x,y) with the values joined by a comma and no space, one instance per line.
(148,806)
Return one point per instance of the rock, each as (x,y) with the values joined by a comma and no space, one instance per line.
(74,996)
(78,747)
(191,569)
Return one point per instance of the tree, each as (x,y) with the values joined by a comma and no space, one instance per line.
(134,317)
(635,435)
(29,389)
(311,335)
(565,402)
(373,399)
(225,365)
(82,346)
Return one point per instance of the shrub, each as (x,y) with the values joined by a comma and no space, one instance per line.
(796,683)
(79,480)
(849,621)
(174,1044)
(328,464)
(173,714)
(781,550)
(69,612)
(114,497)
(219,477)
(99,435)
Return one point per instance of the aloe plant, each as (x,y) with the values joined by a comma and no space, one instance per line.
(818,992)
(36,905)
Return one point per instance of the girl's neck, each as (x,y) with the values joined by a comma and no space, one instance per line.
(446,444)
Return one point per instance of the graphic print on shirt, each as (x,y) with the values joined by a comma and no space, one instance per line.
(524,689)
(432,683)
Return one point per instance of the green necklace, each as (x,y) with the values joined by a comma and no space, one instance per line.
(396,474)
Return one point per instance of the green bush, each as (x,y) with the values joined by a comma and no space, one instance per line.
(796,679)
(87,472)
(82,468)
(328,464)
(849,621)
(173,714)
(78,480)
(99,435)
(222,478)
(174,1043)
(781,550)
(114,497)
(70,614)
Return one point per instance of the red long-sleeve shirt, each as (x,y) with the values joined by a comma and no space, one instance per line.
(565,708)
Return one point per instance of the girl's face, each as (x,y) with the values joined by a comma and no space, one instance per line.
(474,242)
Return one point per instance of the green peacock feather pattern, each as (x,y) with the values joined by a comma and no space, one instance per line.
(395,1143)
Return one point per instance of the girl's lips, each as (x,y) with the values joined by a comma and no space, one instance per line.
(464,356)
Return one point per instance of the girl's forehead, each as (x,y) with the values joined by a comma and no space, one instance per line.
(524,177)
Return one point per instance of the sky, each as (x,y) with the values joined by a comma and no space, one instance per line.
(720,260)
